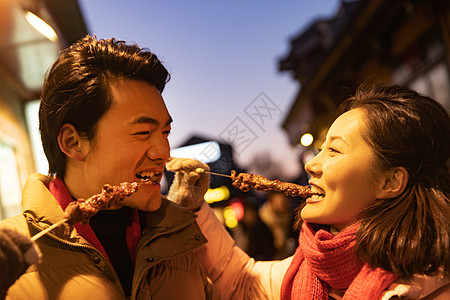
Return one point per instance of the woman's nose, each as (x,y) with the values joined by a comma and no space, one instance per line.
(313,167)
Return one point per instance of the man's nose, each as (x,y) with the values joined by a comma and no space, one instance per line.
(159,152)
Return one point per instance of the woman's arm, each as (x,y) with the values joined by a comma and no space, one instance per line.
(235,274)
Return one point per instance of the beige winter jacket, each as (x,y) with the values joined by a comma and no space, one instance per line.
(73,269)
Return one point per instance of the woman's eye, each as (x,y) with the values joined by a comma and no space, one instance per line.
(333,150)
(167,132)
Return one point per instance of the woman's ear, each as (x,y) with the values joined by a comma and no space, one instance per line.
(71,143)
(395,182)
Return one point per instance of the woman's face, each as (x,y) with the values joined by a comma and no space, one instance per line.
(342,173)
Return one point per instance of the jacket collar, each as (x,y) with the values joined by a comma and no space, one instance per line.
(37,199)
(170,230)
(168,218)
(41,208)
(166,233)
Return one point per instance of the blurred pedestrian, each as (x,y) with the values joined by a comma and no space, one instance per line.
(258,239)
(277,213)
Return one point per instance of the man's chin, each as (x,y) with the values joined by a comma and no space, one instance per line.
(152,203)
(115,206)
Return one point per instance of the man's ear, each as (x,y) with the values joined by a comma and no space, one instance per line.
(395,181)
(71,143)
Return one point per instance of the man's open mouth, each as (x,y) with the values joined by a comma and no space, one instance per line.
(149,177)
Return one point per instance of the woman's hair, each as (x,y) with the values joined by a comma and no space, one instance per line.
(408,234)
(76,89)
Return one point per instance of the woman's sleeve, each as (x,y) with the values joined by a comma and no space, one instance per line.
(234,273)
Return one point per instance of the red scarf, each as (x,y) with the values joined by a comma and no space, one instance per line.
(323,260)
(132,234)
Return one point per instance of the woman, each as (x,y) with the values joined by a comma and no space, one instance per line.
(378,224)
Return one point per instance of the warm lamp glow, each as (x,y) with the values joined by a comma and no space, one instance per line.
(41,26)
(230,218)
(218,194)
(306,139)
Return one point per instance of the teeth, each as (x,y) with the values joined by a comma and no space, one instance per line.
(147,176)
(317,197)
(317,190)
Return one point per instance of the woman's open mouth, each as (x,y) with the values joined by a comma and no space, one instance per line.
(318,195)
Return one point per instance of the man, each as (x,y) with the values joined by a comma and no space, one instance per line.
(103,120)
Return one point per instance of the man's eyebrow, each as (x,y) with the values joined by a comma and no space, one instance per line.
(149,120)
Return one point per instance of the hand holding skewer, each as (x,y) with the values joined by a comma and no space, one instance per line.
(189,187)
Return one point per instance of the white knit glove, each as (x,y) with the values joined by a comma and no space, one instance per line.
(189,186)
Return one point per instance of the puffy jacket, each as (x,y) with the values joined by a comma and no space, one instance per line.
(237,276)
(71,268)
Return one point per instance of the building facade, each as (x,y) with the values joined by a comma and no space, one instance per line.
(25,55)
(405,42)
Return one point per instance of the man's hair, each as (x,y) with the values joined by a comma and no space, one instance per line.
(408,234)
(76,88)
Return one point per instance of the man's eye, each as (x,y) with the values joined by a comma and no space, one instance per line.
(142,133)
(167,132)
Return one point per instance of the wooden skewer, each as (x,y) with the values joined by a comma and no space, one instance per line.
(43,232)
(200,170)
(218,174)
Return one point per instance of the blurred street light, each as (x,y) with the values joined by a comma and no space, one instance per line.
(41,26)
(306,139)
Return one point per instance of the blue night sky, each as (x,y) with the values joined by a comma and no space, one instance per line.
(222,56)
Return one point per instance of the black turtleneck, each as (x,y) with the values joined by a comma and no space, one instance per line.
(110,228)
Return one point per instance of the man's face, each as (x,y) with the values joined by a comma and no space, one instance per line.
(131,143)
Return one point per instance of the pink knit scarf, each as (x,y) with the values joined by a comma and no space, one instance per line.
(323,260)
